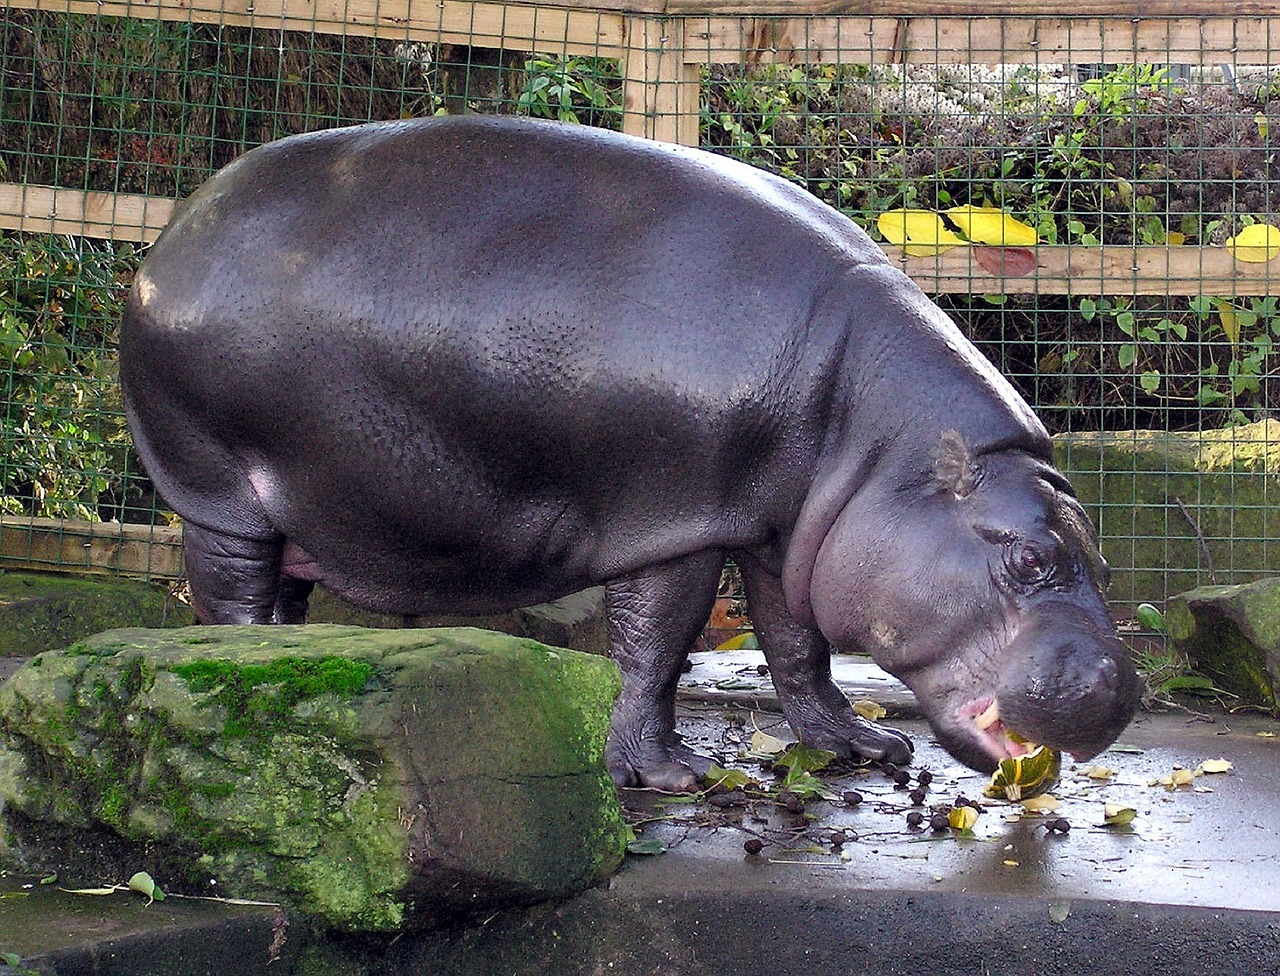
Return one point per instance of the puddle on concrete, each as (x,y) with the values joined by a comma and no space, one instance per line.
(1209,844)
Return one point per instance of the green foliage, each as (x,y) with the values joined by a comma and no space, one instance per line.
(1150,617)
(63,436)
(573,89)
(1121,92)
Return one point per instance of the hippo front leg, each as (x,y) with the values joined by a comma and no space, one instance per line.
(654,617)
(800,663)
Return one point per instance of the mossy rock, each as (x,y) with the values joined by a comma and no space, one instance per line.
(371,778)
(41,612)
(1173,508)
(1232,633)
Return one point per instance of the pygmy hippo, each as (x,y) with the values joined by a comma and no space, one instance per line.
(471,364)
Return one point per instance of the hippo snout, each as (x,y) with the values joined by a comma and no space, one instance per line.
(1069,683)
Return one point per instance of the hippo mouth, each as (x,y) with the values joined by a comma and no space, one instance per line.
(982,715)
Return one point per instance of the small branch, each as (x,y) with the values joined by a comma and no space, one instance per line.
(1204,546)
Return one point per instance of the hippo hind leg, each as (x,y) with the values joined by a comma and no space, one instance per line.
(291,600)
(238,581)
(654,617)
(800,662)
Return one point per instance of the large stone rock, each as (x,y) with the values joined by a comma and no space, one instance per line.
(1177,510)
(42,611)
(1231,633)
(372,778)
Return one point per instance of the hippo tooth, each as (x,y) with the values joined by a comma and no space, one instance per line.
(989,717)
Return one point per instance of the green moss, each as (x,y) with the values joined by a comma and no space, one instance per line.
(1169,505)
(113,804)
(260,695)
(1232,634)
(215,791)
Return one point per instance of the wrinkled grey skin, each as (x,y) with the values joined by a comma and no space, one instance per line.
(469,364)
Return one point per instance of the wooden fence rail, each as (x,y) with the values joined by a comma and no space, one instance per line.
(663,46)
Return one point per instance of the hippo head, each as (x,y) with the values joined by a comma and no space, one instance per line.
(978,583)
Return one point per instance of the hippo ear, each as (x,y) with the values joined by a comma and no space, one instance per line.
(953,466)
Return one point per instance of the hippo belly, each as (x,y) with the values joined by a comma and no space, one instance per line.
(473,363)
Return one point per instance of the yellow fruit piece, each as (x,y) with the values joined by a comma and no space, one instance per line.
(1023,777)
(1215,766)
(962,818)
(918,232)
(1257,243)
(991,225)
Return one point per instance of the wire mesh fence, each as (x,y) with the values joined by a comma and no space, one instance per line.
(1089,196)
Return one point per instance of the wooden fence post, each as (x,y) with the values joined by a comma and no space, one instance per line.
(661,94)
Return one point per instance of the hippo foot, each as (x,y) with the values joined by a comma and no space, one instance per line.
(662,763)
(856,738)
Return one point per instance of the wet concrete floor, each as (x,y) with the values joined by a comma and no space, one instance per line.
(1214,842)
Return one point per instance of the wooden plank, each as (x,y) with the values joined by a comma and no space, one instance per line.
(729,31)
(1059,269)
(548,28)
(1071,270)
(928,40)
(660,90)
(102,548)
(58,210)
(1118,9)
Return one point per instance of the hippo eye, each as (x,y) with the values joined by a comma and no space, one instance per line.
(1029,564)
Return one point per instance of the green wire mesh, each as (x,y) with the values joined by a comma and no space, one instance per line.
(1133,149)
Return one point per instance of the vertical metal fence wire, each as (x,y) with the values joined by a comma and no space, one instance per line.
(1090,198)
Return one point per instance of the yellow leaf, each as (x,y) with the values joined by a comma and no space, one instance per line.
(1044,803)
(730,779)
(962,818)
(1175,237)
(1214,766)
(918,232)
(1263,124)
(1179,777)
(142,883)
(764,744)
(738,642)
(871,710)
(1257,243)
(991,225)
(1265,735)
(1230,321)
(1114,814)
(1099,772)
